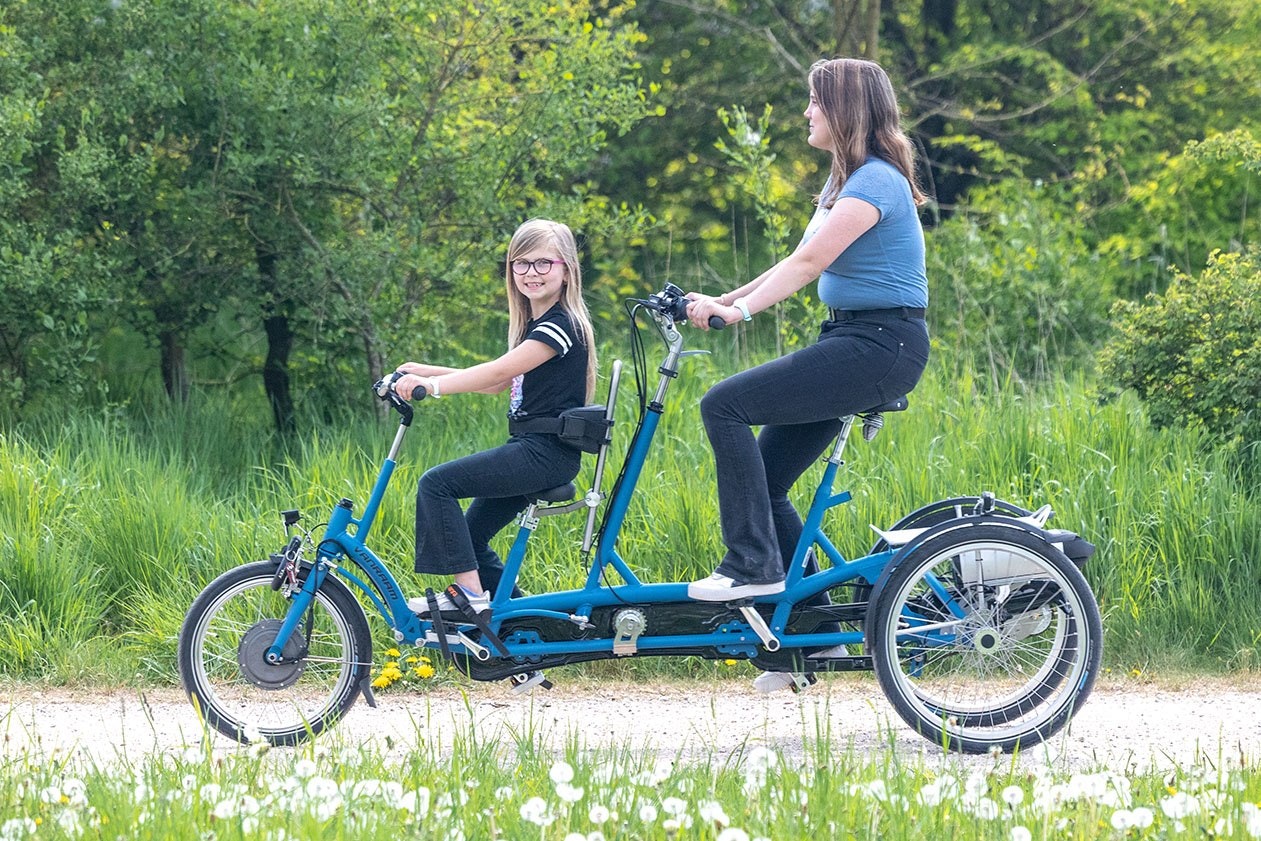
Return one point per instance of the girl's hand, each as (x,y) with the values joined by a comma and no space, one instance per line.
(411,368)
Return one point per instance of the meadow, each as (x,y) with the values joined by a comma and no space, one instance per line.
(112,521)
(832,792)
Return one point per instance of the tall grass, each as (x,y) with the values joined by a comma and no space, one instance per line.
(110,525)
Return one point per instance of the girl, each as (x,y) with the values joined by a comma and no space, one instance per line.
(550,366)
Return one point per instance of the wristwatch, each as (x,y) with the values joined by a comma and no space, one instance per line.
(739,303)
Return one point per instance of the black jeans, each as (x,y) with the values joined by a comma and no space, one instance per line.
(449,540)
(798,401)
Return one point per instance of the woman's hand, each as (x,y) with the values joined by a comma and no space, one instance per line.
(700,310)
(407,384)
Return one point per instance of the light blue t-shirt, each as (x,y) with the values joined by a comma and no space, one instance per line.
(885,266)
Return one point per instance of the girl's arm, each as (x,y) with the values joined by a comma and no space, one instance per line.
(488,377)
(420,369)
(849,219)
(726,298)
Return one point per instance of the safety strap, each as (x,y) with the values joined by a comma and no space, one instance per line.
(439,626)
(456,594)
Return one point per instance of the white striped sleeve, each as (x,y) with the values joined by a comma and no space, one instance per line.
(552,335)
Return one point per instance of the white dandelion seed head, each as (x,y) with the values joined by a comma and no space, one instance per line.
(568,793)
(1020,833)
(647,812)
(561,772)
(673,806)
(1013,796)
(732,833)
(598,814)
(536,811)
(712,812)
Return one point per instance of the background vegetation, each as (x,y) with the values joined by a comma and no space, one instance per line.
(220,220)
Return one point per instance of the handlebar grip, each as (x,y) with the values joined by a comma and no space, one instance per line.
(716,323)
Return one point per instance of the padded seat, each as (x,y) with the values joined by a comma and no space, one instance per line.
(564,493)
(897,405)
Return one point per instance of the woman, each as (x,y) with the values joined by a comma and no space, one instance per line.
(550,366)
(866,246)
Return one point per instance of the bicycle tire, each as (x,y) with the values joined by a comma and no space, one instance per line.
(1002,656)
(236,692)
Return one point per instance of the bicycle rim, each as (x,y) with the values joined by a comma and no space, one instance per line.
(988,643)
(222,647)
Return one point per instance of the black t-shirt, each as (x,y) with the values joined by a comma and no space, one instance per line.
(558,384)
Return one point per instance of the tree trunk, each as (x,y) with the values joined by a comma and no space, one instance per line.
(279,345)
(174,371)
(857,29)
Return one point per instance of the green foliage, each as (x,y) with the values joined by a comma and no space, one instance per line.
(1193,354)
(112,525)
(1013,287)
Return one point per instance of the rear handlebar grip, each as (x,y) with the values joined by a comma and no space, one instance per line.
(716,323)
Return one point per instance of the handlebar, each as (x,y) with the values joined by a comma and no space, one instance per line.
(672,302)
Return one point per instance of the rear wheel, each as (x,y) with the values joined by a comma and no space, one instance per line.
(986,636)
(222,661)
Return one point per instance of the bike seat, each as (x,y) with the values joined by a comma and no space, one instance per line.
(564,493)
(896,405)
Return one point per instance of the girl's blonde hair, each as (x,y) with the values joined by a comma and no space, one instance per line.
(539,233)
(861,110)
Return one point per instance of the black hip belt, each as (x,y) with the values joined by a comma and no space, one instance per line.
(585,428)
(891,312)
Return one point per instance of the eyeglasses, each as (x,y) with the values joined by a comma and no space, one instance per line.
(541,265)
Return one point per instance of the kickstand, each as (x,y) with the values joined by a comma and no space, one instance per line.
(526,681)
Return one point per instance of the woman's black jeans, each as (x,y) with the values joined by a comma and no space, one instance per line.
(798,401)
(449,540)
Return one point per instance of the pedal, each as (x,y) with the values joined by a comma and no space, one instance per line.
(802,682)
(526,681)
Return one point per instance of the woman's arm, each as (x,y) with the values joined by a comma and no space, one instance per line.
(849,219)
(488,377)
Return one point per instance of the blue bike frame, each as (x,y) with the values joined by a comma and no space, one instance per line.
(345,540)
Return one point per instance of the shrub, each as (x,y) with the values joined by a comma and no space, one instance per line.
(1193,354)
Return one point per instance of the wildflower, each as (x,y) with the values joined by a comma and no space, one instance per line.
(729,662)
(712,812)
(598,814)
(568,793)
(416,802)
(16,828)
(304,768)
(561,772)
(1252,819)
(930,795)
(1180,805)
(1142,817)
(1013,796)
(424,671)
(575,836)
(673,806)
(251,733)
(647,813)
(536,811)
(732,833)
(1020,833)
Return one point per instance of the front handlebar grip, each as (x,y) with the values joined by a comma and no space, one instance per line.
(716,323)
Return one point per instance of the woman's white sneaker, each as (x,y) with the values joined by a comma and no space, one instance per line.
(720,588)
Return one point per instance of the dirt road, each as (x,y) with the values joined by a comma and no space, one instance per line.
(1126,725)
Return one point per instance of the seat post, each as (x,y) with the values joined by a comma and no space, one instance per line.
(847,424)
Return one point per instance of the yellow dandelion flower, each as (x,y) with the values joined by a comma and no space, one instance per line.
(424,670)
(392,652)
(381,682)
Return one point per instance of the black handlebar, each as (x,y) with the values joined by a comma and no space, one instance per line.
(672,301)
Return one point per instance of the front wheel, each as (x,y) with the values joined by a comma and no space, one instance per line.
(221,657)
(986,636)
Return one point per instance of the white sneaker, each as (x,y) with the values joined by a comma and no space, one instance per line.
(479,603)
(839,650)
(720,588)
(768,682)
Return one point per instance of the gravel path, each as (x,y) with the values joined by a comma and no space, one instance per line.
(1126,725)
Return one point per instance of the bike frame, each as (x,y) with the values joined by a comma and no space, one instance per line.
(344,544)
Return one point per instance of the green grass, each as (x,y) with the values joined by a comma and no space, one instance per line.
(110,524)
(492,787)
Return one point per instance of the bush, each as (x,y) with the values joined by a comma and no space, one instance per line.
(1193,354)
(1013,288)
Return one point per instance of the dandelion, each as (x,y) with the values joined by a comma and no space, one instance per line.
(536,811)
(732,833)
(304,768)
(568,793)
(1180,805)
(711,811)
(1142,817)
(673,806)
(1251,819)
(1013,796)
(416,802)
(1020,833)
(930,795)
(647,813)
(986,809)
(598,814)
(575,836)
(16,828)
(561,772)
